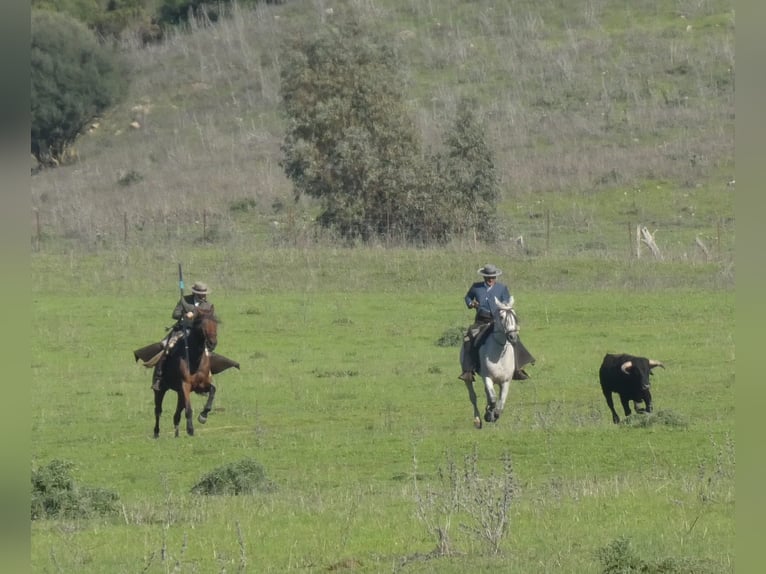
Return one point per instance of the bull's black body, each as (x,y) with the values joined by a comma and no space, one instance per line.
(628,376)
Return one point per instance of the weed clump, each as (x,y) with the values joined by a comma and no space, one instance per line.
(246,476)
(451,337)
(55,494)
(618,557)
(660,418)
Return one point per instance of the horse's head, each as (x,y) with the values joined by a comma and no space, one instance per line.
(505,319)
(207,322)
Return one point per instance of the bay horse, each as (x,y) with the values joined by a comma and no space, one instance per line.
(195,375)
(496,362)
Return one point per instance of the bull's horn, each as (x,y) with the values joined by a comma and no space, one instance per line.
(625,366)
(653,363)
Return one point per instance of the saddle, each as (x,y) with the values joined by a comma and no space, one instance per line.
(151,354)
(480,333)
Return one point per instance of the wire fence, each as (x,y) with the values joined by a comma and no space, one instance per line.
(545,234)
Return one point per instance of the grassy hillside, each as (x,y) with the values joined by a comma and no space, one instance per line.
(602,115)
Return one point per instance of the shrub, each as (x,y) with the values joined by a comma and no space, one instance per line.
(618,557)
(56,495)
(661,418)
(246,476)
(451,337)
(73,79)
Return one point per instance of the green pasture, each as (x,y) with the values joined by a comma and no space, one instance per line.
(346,400)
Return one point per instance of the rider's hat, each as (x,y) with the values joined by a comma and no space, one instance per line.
(200,288)
(489,270)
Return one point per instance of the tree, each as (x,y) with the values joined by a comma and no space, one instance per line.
(73,79)
(349,142)
(469,176)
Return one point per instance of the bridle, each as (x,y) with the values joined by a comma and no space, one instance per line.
(507,321)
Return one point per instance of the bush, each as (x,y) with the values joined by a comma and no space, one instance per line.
(56,495)
(659,418)
(73,79)
(246,476)
(451,337)
(618,557)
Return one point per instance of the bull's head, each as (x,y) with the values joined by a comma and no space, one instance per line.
(638,370)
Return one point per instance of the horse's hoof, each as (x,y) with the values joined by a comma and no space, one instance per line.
(477,422)
(488,416)
(202,419)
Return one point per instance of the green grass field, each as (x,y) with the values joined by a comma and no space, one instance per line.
(602,115)
(352,409)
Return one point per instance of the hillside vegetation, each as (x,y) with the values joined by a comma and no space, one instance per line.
(601,115)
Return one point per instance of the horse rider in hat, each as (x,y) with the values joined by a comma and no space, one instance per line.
(481,296)
(184,313)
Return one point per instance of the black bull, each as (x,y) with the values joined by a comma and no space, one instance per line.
(628,376)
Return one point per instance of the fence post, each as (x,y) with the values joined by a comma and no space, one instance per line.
(547,231)
(204,225)
(718,237)
(37,229)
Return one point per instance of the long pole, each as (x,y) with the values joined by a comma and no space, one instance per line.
(183,317)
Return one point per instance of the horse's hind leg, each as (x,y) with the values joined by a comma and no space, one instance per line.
(472,395)
(202,418)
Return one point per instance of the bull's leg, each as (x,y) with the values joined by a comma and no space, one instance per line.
(610,404)
(177,415)
(625,400)
(648,400)
(158,396)
(472,395)
(202,418)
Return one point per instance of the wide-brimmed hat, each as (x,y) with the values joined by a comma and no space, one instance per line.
(200,288)
(489,270)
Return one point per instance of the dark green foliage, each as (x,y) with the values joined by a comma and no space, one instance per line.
(73,79)
(246,476)
(130,177)
(451,337)
(174,12)
(618,557)
(351,144)
(658,418)
(471,185)
(56,495)
(243,205)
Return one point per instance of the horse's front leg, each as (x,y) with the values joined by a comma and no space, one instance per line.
(504,388)
(188,409)
(202,418)
(180,406)
(158,396)
(489,390)
(472,395)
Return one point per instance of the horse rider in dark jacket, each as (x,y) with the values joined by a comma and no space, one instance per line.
(184,313)
(481,297)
